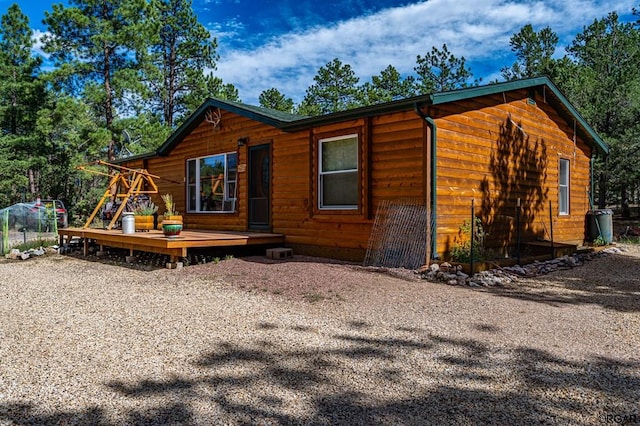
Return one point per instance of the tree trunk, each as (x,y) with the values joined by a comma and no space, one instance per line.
(32,182)
(624,202)
(108,107)
(106,76)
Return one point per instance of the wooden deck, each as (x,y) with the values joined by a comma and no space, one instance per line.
(176,247)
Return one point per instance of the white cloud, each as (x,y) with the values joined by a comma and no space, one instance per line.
(37,41)
(477,30)
(228,30)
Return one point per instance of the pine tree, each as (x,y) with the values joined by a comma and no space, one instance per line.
(272,98)
(388,86)
(534,52)
(91,43)
(21,92)
(441,70)
(174,66)
(335,89)
(605,87)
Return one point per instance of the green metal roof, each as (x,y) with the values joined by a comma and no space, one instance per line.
(291,122)
(567,110)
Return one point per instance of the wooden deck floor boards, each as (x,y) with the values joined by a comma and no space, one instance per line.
(155,242)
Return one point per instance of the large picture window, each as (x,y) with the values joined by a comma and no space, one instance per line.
(338,173)
(563,187)
(211,183)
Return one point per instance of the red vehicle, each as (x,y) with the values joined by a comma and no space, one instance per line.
(61,211)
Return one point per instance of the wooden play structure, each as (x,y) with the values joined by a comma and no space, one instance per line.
(125,185)
(216,185)
(128,184)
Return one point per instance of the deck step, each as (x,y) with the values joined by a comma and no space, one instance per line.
(279,253)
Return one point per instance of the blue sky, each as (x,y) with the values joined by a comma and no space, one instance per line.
(264,44)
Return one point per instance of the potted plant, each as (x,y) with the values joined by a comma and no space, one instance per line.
(172,221)
(170,212)
(143,214)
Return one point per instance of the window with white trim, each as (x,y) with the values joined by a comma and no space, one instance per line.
(563,187)
(211,183)
(338,173)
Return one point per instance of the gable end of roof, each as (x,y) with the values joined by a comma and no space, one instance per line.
(568,110)
(271,117)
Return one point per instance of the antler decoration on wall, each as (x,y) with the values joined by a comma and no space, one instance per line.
(214,116)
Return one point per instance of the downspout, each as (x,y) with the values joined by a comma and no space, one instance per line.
(592,188)
(432,125)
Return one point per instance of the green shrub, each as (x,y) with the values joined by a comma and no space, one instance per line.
(34,244)
(461,250)
(628,239)
(145,208)
(600,241)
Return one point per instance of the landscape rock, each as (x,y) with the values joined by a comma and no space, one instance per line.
(15,254)
(612,250)
(453,275)
(517,269)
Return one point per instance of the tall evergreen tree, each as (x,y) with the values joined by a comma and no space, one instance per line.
(21,92)
(67,127)
(534,52)
(335,89)
(272,98)
(606,88)
(91,43)
(441,70)
(388,86)
(181,50)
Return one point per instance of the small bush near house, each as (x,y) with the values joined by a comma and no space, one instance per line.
(461,251)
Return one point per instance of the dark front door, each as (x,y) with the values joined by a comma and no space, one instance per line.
(260,187)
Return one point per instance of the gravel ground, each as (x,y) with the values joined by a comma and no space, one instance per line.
(248,341)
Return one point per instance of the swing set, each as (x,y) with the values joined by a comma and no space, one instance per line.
(125,185)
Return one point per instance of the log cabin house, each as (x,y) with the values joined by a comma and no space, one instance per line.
(318,180)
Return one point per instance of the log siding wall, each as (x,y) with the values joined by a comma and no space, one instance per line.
(496,149)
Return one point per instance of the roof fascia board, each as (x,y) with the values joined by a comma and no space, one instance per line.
(491,89)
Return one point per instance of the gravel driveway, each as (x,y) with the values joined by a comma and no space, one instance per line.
(247,341)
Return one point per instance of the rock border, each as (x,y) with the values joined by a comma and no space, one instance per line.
(15,254)
(453,275)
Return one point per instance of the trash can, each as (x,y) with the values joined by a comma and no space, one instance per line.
(128,223)
(600,224)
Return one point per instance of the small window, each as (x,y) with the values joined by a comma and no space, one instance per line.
(563,187)
(338,173)
(211,183)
